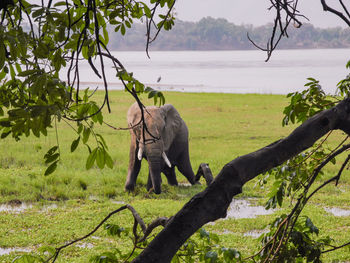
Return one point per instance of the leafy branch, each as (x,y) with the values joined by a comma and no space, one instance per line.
(54,36)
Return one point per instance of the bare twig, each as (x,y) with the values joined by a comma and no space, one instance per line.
(286,12)
(59,249)
(146,230)
(326,8)
(335,248)
(122,129)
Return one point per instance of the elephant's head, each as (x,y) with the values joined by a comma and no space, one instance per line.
(154,137)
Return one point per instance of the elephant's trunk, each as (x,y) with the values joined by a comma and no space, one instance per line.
(154,163)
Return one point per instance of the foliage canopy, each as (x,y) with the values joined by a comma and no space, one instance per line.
(38,41)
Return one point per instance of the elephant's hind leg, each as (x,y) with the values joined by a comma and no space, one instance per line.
(170,175)
(185,167)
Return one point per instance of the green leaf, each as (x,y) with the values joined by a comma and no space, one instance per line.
(61,3)
(348,64)
(38,12)
(147,11)
(28,72)
(74,144)
(105,35)
(86,134)
(18,68)
(5,134)
(51,168)
(102,142)
(312,79)
(122,29)
(127,23)
(80,128)
(100,158)
(83,109)
(52,158)
(12,72)
(91,159)
(109,161)
(51,151)
(2,74)
(96,114)
(84,51)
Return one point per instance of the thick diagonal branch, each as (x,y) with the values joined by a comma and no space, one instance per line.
(212,203)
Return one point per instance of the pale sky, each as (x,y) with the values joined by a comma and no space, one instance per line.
(253,11)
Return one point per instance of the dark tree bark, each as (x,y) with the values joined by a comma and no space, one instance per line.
(212,203)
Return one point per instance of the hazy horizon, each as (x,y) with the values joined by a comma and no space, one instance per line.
(252,12)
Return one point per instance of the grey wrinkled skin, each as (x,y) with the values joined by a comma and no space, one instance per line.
(171,132)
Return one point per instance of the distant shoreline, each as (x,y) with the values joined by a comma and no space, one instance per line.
(219,34)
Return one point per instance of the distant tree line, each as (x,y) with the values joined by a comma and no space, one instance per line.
(219,34)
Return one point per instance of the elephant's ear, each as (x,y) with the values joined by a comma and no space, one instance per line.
(173,123)
(134,114)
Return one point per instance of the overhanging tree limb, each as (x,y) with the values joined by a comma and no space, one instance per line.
(212,203)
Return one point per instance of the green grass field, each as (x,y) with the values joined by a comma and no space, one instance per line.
(222,127)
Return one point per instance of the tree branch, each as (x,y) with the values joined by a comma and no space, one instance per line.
(212,203)
(335,248)
(326,8)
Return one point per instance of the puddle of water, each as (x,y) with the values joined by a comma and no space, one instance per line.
(19,208)
(49,207)
(15,208)
(184,184)
(240,208)
(255,233)
(337,211)
(6,251)
(85,245)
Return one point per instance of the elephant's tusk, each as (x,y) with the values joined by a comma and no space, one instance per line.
(166,159)
(140,153)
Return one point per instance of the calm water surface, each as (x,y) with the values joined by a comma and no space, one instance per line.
(229,71)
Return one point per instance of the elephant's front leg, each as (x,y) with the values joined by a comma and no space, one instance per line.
(170,175)
(134,167)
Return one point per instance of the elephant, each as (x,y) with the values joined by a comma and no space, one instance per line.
(163,142)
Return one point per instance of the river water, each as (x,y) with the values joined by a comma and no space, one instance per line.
(228,71)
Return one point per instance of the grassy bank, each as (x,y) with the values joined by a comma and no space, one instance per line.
(222,127)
